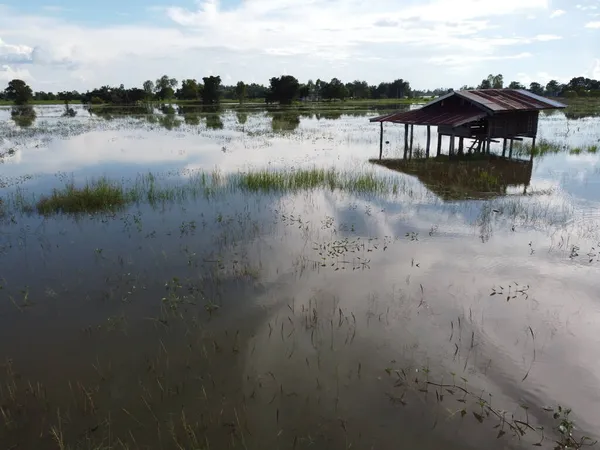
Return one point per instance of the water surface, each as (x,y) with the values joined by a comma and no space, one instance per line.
(310,319)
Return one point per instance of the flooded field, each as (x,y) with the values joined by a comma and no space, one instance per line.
(257,283)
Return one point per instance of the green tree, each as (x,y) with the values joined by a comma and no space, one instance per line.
(536,88)
(335,89)
(165,87)
(148,87)
(283,89)
(212,90)
(358,89)
(553,88)
(515,85)
(190,90)
(18,92)
(240,91)
(492,82)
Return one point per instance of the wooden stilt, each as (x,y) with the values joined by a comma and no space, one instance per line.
(504,148)
(439,147)
(479,143)
(472,146)
(405,141)
(451,151)
(428,141)
(412,132)
(510,149)
(461,146)
(532,149)
(380,140)
(489,143)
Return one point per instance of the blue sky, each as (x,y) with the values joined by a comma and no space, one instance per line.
(432,43)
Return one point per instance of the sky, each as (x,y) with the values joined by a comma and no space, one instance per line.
(78,45)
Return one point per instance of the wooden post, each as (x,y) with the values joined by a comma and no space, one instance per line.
(451,151)
(479,145)
(461,146)
(405,141)
(510,149)
(489,143)
(412,132)
(380,140)
(428,141)
(532,149)
(439,149)
(504,148)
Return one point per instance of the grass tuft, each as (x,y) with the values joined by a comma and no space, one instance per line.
(307,179)
(96,195)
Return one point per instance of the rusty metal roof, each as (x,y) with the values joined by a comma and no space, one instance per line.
(481,102)
(499,100)
(502,100)
(422,116)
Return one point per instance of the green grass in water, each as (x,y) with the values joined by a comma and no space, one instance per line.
(96,195)
(306,179)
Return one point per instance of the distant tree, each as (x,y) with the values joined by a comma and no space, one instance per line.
(467,88)
(66,96)
(18,92)
(399,89)
(165,87)
(211,94)
(240,91)
(283,90)
(485,84)
(553,88)
(492,82)
(515,85)
(190,90)
(536,88)
(498,81)
(335,89)
(304,92)
(148,87)
(358,89)
(256,91)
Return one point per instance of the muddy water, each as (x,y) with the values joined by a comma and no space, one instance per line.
(309,320)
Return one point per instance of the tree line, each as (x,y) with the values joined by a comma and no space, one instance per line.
(283,90)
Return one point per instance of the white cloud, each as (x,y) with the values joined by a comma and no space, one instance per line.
(257,39)
(539,77)
(14,53)
(557,13)
(593,24)
(546,37)
(7,74)
(458,60)
(594,71)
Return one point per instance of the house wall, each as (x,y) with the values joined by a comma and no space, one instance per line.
(518,123)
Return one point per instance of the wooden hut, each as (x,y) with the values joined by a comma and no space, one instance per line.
(482,116)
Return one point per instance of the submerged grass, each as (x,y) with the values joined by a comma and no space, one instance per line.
(96,195)
(305,179)
(102,194)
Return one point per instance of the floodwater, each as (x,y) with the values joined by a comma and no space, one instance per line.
(307,319)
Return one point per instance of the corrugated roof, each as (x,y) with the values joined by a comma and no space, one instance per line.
(482,102)
(500,100)
(422,116)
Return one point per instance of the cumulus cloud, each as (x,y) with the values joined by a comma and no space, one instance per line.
(11,53)
(256,39)
(7,73)
(593,24)
(557,13)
